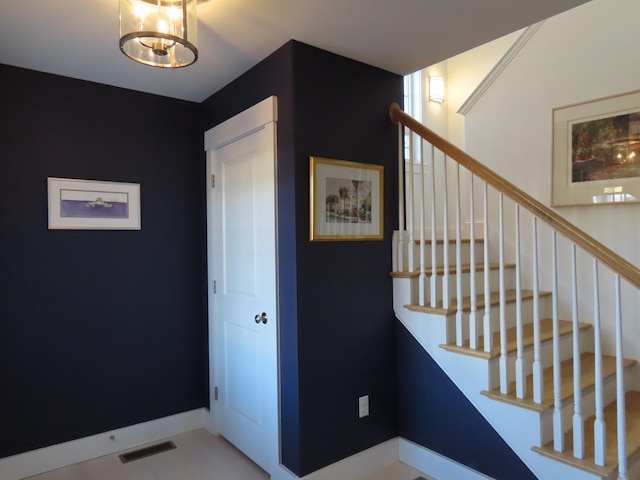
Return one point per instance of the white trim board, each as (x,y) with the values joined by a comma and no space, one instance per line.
(385,454)
(247,122)
(499,67)
(434,464)
(75,451)
(354,467)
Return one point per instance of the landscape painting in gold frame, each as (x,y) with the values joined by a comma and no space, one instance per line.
(346,200)
(596,152)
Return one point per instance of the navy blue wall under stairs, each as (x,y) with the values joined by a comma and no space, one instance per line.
(434,413)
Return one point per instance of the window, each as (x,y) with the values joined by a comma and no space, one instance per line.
(413,107)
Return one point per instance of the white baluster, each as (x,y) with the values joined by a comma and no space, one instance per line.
(538,380)
(599,426)
(486,319)
(620,389)
(578,424)
(504,374)
(473,324)
(422,277)
(445,226)
(410,208)
(520,378)
(401,200)
(558,437)
(459,332)
(434,244)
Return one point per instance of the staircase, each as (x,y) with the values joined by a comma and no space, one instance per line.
(522,310)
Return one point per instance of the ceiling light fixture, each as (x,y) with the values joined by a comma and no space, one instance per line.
(436,89)
(160,33)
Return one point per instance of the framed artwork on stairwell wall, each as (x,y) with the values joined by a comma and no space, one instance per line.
(346,200)
(596,152)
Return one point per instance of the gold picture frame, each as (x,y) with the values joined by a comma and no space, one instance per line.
(596,152)
(347,200)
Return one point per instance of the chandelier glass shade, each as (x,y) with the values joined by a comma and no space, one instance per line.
(160,33)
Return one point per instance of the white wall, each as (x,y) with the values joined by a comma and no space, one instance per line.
(462,73)
(586,53)
(465,72)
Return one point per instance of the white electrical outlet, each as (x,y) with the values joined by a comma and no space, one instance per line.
(363,406)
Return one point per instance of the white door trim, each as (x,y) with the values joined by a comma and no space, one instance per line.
(261,116)
(248,122)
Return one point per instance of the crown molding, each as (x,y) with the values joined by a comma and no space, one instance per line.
(495,72)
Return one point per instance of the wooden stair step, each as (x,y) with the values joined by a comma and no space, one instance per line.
(587,382)
(452,270)
(546,334)
(494,300)
(632,412)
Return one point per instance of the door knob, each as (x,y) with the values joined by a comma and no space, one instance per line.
(261,318)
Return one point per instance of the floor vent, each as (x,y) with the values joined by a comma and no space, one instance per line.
(419,478)
(146,452)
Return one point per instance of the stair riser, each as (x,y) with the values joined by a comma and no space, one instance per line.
(510,315)
(465,249)
(494,280)
(546,355)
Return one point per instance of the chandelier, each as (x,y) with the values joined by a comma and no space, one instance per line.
(160,33)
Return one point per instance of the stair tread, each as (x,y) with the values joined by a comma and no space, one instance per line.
(546,334)
(632,412)
(452,270)
(510,297)
(587,367)
(450,241)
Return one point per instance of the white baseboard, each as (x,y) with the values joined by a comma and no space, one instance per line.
(434,464)
(365,463)
(68,453)
(354,467)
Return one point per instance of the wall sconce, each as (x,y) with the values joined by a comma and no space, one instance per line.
(160,33)
(436,89)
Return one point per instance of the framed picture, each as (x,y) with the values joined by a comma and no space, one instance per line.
(346,200)
(90,205)
(596,152)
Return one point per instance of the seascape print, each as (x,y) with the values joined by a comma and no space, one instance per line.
(93,204)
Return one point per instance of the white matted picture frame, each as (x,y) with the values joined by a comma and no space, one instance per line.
(347,200)
(596,152)
(93,205)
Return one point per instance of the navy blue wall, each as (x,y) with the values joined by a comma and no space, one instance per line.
(345,321)
(336,321)
(435,414)
(98,329)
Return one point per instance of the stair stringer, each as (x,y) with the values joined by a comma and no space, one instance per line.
(520,428)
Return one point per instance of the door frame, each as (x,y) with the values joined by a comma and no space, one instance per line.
(229,131)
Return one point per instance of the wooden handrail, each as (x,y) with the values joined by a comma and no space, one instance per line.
(605,255)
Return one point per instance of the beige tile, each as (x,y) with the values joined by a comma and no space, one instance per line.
(199,456)
(397,471)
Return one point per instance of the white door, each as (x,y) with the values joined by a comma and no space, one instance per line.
(242,257)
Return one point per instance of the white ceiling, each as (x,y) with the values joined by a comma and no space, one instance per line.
(79,38)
